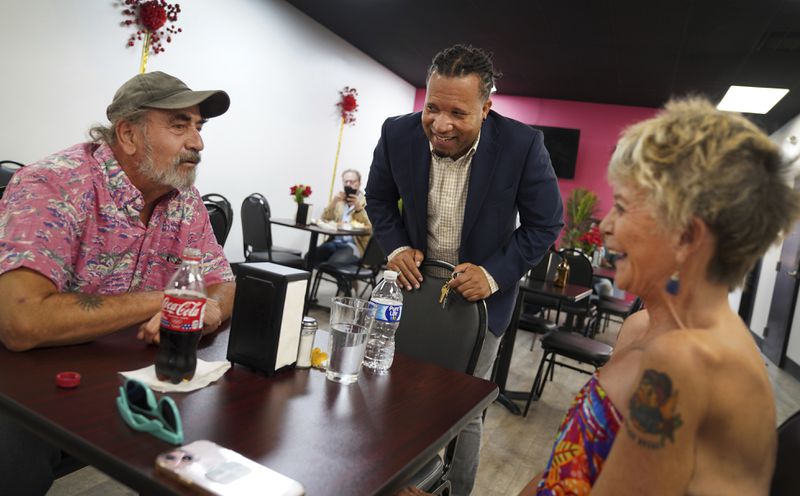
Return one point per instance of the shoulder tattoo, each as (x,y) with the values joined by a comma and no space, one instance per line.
(89,302)
(652,418)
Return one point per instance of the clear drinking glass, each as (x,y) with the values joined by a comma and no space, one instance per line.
(351,323)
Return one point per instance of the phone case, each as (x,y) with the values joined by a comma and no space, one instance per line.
(214,470)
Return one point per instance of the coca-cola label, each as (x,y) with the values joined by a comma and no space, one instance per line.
(182,314)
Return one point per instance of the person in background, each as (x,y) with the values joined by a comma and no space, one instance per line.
(463,172)
(684,405)
(346,208)
(90,235)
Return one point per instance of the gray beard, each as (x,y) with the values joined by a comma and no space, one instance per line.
(171,175)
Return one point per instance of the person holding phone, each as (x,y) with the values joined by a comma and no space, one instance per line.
(346,209)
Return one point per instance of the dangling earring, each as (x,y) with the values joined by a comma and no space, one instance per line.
(673,285)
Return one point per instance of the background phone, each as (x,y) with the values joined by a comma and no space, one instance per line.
(212,469)
(348,190)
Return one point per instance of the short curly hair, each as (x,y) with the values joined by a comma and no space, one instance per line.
(693,160)
(463,60)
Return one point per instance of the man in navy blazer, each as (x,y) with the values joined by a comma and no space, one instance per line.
(463,172)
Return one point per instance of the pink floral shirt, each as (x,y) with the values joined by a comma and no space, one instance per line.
(74,218)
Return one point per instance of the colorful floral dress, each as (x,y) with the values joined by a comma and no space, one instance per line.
(583,443)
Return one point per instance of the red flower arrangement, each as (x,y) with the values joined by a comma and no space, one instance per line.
(300,192)
(151,16)
(348,104)
(591,240)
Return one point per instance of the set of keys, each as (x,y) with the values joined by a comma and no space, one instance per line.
(445,292)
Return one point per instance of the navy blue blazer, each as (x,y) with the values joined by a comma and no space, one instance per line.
(510,173)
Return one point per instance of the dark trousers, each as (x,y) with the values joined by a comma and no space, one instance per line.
(26,460)
(339,254)
(336,253)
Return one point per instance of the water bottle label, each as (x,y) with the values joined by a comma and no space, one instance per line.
(182,314)
(388,313)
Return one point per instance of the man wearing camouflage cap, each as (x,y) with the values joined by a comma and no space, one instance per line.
(90,235)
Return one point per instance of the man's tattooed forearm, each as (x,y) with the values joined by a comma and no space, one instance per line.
(89,302)
(652,418)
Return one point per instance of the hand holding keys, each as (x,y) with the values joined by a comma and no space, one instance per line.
(445,292)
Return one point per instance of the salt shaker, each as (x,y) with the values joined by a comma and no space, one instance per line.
(307,332)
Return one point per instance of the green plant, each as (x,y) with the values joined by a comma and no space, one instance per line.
(581,206)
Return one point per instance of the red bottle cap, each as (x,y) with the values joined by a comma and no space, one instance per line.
(68,379)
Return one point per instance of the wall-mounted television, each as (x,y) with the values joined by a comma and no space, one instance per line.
(562,143)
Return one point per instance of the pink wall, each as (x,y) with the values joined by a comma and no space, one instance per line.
(600,127)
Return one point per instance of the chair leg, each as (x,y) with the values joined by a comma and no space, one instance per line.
(535,383)
(315,285)
(551,368)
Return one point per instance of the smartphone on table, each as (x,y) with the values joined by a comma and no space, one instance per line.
(211,469)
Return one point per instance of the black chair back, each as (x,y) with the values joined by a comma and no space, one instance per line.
(220,213)
(7,169)
(255,225)
(545,270)
(450,337)
(786,478)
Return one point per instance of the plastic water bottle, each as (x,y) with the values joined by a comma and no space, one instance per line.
(389,300)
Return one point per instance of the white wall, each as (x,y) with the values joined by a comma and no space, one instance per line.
(781,136)
(766,282)
(64,59)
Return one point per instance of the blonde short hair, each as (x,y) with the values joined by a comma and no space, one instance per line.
(693,160)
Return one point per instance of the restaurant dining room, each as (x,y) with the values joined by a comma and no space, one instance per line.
(230,281)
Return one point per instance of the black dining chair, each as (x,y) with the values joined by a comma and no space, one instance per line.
(220,213)
(366,270)
(786,477)
(572,345)
(579,315)
(257,235)
(611,306)
(7,169)
(532,315)
(451,337)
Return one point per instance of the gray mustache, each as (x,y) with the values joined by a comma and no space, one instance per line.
(188,157)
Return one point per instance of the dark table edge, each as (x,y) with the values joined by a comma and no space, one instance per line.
(155,484)
(393,484)
(104,461)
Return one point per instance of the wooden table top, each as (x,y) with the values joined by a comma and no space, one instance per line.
(570,292)
(606,272)
(366,438)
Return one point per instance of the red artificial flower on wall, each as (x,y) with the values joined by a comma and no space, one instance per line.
(348,104)
(151,17)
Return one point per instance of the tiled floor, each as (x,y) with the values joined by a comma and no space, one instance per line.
(514,448)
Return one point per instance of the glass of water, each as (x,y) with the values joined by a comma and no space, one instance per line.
(351,323)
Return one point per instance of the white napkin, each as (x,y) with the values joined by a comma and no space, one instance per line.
(206,373)
(326,224)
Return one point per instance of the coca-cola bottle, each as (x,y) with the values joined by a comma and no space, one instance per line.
(181,320)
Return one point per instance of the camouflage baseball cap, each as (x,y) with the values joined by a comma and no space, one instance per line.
(162,91)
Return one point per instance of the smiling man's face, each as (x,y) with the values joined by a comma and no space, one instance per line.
(453,113)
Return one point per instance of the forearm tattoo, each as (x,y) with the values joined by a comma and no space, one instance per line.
(89,302)
(652,419)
